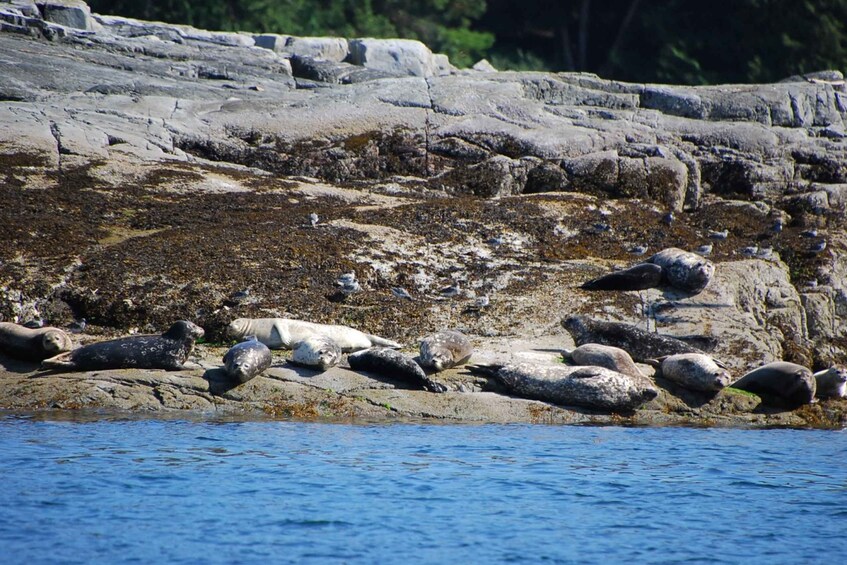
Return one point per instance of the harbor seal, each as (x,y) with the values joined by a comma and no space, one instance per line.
(285,333)
(247,359)
(641,345)
(831,383)
(684,270)
(166,351)
(792,383)
(445,349)
(393,364)
(694,371)
(613,358)
(32,344)
(318,351)
(639,277)
(589,387)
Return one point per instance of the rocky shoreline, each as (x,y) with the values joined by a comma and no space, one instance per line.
(153,172)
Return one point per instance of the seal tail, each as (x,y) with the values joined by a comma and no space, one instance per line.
(60,361)
(376,340)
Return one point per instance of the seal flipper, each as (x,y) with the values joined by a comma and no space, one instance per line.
(59,362)
(381,341)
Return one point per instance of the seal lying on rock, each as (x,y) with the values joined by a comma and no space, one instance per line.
(247,359)
(639,277)
(32,344)
(792,383)
(684,270)
(588,387)
(641,345)
(694,371)
(613,358)
(317,351)
(445,349)
(831,383)
(285,333)
(167,351)
(674,267)
(391,363)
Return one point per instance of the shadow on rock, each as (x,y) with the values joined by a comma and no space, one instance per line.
(20,366)
(219,382)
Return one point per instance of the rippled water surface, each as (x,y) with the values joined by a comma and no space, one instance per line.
(180,491)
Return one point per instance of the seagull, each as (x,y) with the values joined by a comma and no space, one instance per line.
(809,233)
(313,219)
(482,301)
(450,291)
(777,226)
(350,288)
(718,234)
(78,326)
(668,218)
(240,296)
(750,251)
(346,278)
(765,252)
(818,247)
(638,250)
(496,241)
(400,292)
(705,250)
(601,227)
(34,324)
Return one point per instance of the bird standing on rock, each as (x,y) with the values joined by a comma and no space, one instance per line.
(450,291)
(400,292)
(705,250)
(719,234)
(313,219)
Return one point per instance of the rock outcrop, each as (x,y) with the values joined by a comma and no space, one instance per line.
(152,172)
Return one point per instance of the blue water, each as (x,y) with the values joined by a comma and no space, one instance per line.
(110,491)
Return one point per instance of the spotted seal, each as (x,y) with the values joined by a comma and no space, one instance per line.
(394,364)
(445,349)
(247,359)
(831,383)
(641,345)
(318,351)
(694,371)
(168,351)
(792,383)
(588,387)
(613,358)
(285,333)
(638,277)
(684,270)
(32,344)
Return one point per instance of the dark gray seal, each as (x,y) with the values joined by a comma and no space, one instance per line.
(445,349)
(694,371)
(32,344)
(684,270)
(793,384)
(247,359)
(639,277)
(393,364)
(640,344)
(588,387)
(167,351)
(831,383)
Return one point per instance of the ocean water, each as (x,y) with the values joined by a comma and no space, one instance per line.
(164,491)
